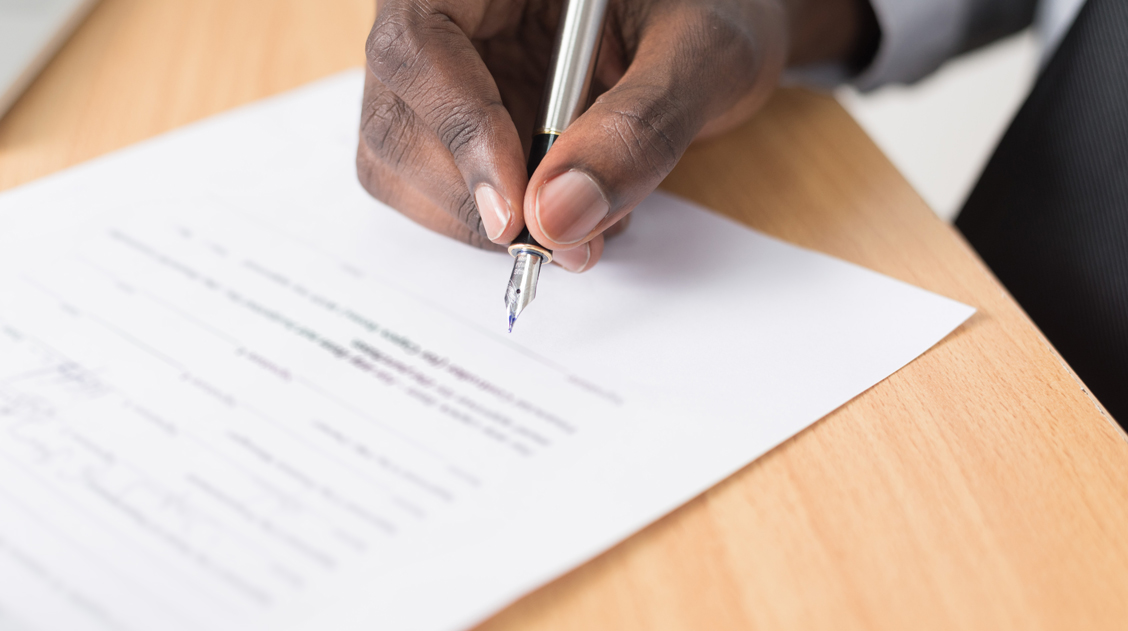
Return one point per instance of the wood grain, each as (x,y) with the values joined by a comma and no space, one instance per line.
(981,487)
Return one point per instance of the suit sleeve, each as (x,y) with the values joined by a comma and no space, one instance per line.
(917,36)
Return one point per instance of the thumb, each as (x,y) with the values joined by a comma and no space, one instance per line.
(691,65)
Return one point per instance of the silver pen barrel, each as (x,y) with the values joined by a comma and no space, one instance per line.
(565,96)
(573,64)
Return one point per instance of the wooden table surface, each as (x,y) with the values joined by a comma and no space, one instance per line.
(981,487)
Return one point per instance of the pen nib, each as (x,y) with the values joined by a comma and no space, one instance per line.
(522,286)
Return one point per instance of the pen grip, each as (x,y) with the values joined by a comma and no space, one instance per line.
(542,142)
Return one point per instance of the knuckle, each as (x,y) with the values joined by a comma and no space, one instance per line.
(394,42)
(465,123)
(386,128)
(400,45)
(459,127)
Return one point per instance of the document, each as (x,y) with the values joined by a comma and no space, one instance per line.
(238,393)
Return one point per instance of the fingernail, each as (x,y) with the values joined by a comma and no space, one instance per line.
(493,210)
(569,207)
(574,260)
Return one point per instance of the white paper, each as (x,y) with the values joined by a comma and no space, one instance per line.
(238,393)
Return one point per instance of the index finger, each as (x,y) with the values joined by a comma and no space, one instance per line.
(421,51)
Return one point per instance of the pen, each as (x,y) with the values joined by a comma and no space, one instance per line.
(565,97)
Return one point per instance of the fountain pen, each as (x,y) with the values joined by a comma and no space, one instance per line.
(565,97)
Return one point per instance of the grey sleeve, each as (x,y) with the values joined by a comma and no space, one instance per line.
(919,35)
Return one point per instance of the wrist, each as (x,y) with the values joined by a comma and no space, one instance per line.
(839,31)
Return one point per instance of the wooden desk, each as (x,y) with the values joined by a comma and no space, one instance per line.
(980,487)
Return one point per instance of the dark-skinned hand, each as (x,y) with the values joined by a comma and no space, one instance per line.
(453,88)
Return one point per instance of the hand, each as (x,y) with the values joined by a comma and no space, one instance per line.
(453,88)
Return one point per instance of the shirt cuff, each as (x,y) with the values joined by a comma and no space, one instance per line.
(916,37)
